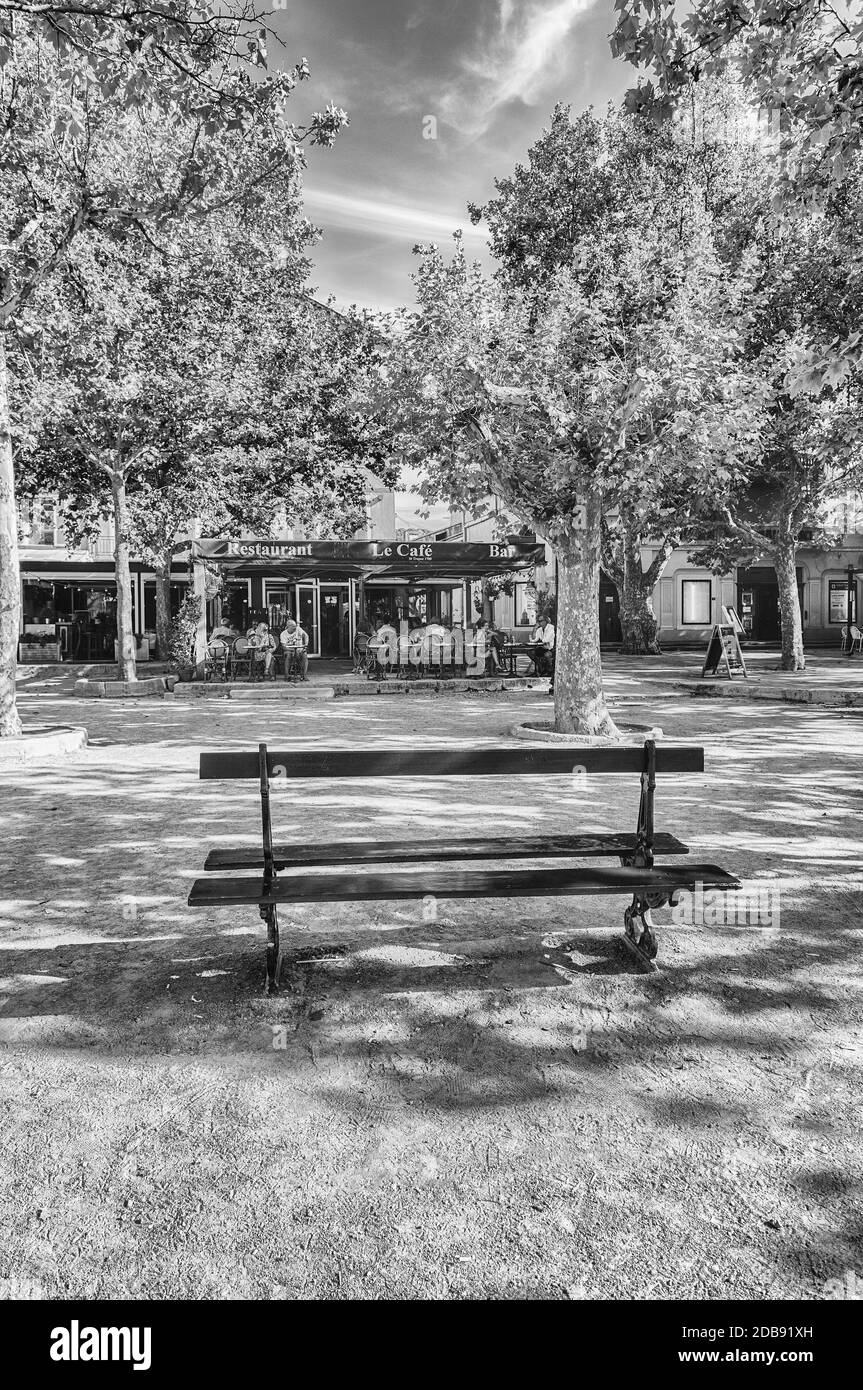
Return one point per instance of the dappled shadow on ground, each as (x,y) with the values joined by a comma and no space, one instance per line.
(490,1103)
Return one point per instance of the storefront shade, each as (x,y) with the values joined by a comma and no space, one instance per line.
(419,561)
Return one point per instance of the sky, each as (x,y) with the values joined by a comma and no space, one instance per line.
(443,96)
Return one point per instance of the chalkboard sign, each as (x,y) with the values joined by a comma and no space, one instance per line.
(732,618)
(724,648)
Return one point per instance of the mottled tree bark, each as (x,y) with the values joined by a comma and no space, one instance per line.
(126,663)
(638,623)
(10,574)
(162,571)
(579,702)
(784,562)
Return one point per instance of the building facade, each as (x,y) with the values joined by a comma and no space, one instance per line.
(688,598)
(68,596)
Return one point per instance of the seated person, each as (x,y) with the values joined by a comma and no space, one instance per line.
(224,631)
(497,641)
(492,647)
(544,658)
(384,644)
(263,644)
(295,641)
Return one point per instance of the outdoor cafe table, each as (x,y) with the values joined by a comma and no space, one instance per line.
(511,651)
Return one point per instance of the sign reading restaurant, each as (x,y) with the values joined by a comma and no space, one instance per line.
(385,554)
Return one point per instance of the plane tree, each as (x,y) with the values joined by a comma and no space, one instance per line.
(194,382)
(85,91)
(627,200)
(537,393)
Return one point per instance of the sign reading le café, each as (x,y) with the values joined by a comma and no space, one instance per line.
(382,556)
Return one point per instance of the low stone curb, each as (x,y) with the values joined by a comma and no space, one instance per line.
(88,689)
(56,741)
(344,689)
(537,733)
(270,693)
(803,695)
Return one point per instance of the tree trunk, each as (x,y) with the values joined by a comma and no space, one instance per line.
(579,703)
(162,570)
(126,665)
(638,625)
(784,561)
(10,573)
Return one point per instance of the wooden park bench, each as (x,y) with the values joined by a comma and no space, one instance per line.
(649,884)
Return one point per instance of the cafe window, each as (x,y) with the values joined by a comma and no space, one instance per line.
(524,605)
(696,602)
(838,606)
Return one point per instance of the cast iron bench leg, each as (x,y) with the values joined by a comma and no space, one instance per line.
(641,940)
(270,915)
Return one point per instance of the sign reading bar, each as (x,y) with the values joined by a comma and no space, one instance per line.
(385,554)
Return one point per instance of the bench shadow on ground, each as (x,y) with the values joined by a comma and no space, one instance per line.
(467,1017)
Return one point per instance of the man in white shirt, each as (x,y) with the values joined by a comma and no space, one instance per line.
(295,641)
(544,636)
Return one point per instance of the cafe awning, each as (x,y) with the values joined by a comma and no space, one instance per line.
(407,560)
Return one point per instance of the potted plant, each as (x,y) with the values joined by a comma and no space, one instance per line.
(184,631)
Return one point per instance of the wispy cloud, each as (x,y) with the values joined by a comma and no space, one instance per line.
(384,217)
(517,56)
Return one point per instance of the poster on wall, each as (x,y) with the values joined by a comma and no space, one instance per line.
(839,602)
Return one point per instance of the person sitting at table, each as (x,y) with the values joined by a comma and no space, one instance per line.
(263,645)
(492,648)
(497,641)
(224,631)
(544,639)
(295,641)
(383,645)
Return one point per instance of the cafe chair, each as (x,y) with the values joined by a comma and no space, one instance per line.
(241,659)
(291,660)
(361,654)
(216,661)
(856,640)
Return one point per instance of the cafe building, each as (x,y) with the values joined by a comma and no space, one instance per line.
(68,594)
(327,586)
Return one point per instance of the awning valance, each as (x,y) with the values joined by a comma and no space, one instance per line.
(354,559)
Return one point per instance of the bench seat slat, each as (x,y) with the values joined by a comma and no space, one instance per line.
(407,851)
(463,883)
(449,762)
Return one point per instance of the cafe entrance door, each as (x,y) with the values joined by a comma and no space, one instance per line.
(335,620)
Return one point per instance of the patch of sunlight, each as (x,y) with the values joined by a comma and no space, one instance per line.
(406,955)
(14,984)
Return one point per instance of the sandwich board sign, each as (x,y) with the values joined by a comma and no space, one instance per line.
(724,648)
(732,618)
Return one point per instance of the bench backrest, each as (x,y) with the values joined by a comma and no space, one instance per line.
(553,760)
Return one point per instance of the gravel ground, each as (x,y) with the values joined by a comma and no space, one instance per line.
(494,1104)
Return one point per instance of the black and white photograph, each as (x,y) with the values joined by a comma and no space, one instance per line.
(431,670)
